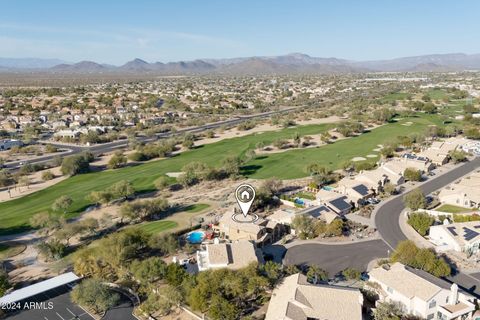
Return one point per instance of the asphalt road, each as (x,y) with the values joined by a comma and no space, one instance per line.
(388,215)
(111,146)
(337,257)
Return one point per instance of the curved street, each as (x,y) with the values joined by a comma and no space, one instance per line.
(335,258)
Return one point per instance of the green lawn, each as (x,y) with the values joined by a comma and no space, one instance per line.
(452,209)
(15,214)
(292,164)
(305,195)
(157,226)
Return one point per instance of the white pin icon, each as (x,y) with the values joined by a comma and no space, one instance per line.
(245,195)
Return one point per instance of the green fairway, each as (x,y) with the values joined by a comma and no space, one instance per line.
(157,226)
(292,164)
(437,94)
(14,214)
(197,207)
(392,97)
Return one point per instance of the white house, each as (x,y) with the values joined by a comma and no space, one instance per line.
(461,237)
(234,255)
(296,299)
(422,294)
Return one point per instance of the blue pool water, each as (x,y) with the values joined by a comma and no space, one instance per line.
(300,201)
(196,237)
(327,188)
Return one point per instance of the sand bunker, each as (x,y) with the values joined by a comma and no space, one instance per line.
(359,159)
(372,155)
(173,174)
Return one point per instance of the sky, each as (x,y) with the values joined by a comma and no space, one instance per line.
(114,32)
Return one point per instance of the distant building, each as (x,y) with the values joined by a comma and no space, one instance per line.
(296,299)
(233,255)
(462,237)
(422,294)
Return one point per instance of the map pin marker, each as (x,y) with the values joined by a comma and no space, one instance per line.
(245,194)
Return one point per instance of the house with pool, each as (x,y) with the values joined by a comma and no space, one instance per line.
(261,232)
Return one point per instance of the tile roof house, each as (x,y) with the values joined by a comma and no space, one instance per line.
(321,212)
(234,255)
(340,205)
(296,299)
(377,178)
(261,231)
(462,236)
(355,189)
(462,193)
(422,294)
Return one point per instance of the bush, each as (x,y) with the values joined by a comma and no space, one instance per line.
(52,250)
(162,183)
(351,274)
(47,175)
(95,295)
(458,156)
(137,156)
(118,160)
(415,199)
(412,174)
(421,222)
(424,259)
(75,165)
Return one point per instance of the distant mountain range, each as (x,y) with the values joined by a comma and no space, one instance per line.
(294,63)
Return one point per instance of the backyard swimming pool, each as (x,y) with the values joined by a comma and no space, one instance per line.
(196,237)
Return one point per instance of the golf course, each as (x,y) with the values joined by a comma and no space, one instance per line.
(15,214)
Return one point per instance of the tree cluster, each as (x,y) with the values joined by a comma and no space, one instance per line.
(421,258)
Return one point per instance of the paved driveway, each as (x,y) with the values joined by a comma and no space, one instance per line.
(334,257)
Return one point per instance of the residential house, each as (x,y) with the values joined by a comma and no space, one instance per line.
(261,231)
(322,212)
(439,150)
(463,192)
(376,179)
(340,205)
(296,299)
(421,294)
(355,190)
(461,237)
(233,255)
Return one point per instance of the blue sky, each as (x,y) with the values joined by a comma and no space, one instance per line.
(117,31)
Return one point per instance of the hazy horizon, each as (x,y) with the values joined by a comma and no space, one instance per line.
(113,33)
